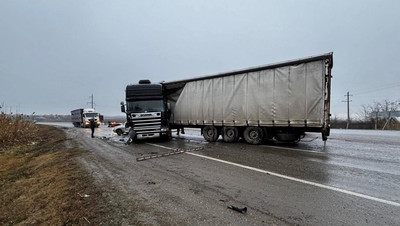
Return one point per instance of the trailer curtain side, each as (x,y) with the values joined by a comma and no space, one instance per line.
(293,93)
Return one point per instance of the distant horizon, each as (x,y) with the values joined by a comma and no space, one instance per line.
(353,116)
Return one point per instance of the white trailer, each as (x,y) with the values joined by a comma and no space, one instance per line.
(280,101)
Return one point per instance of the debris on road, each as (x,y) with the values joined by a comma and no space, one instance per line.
(240,210)
(188,140)
(84,195)
(174,152)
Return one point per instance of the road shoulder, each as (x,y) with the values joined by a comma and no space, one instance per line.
(42,184)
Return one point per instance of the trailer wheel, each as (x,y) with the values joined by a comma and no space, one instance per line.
(210,133)
(253,135)
(230,134)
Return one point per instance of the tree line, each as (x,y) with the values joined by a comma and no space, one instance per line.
(373,116)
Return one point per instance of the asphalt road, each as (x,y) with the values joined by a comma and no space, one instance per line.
(353,179)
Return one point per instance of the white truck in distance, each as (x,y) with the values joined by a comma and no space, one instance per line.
(80,117)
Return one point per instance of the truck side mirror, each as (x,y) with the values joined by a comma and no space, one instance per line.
(168,106)
(122,107)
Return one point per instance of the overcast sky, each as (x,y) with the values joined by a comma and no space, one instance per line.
(55,54)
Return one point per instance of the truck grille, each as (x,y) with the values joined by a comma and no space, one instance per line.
(148,124)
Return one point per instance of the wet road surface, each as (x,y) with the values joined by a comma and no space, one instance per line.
(354,179)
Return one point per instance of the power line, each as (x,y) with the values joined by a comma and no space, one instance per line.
(369,90)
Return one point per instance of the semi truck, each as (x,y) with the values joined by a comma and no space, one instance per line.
(80,117)
(278,101)
(146,111)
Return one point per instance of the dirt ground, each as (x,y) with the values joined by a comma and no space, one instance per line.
(40,183)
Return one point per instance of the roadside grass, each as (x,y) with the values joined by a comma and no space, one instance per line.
(15,131)
(41,184)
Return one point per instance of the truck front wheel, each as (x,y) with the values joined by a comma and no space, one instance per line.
(119,132)
(210,133)
(253,135)
(230,134)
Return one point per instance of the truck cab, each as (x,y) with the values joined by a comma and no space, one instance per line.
(146,110)
(89,113)
(80,117)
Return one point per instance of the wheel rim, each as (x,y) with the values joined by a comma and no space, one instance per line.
(210,133)
(230,133)
(254,135)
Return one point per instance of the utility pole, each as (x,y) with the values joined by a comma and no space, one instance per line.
(348,108)
(91,102)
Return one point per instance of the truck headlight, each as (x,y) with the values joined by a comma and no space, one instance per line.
(164,129)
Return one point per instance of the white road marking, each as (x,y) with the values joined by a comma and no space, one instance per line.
(160,146)
(294,149)
(290,178)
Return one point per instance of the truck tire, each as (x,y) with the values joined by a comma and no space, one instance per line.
(230,134)
(210,133)
(167,136)
(119,132)
(253,135)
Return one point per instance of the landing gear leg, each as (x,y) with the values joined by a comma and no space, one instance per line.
(325,134)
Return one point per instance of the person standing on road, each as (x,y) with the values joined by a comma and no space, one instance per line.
(92,125)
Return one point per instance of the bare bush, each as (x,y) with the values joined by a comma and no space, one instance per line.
(369,114)
(14,130)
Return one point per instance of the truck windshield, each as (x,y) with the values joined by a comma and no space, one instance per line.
(145,106)
(90,115)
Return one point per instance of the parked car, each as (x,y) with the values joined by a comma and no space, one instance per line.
(113,124)
(121,130)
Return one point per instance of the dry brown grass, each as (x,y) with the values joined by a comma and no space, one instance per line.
(41,184)
(15,131)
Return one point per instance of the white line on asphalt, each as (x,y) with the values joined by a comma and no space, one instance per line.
(160,146)
(291,178)
(294,149)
